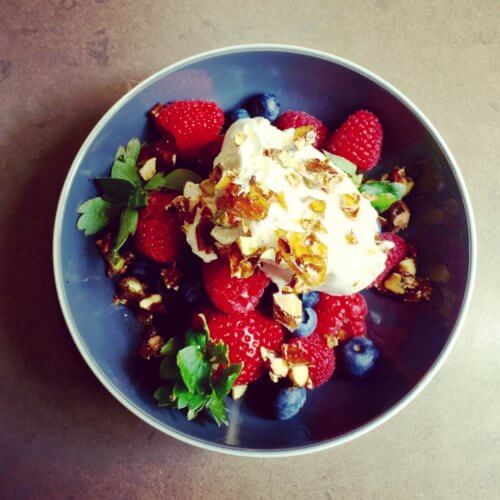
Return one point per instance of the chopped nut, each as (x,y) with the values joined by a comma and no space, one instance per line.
(225,235)
(116,265)
(171,277)
(272,152)
(287,160)
(151,303)
(394,283)
(247,245)
(332,340)
(151,344)
(397,217)
(148,170)
(351,237)
(156,110)
(408,287)
(237,391)
(278,367)
(287,310)
(349,204)
(299,375)
(408,265)
(398,174)
(268,254)
(318,206)
(293,179)
(303,132)
(226,179)
(130,289)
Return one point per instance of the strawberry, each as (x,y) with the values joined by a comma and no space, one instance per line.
(296,119)
(193,124)
(314,352)
(341,317)
(359,139)
(238,295)
(158,235)
(244,334)
(396,254)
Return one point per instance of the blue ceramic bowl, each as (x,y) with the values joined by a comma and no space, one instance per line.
(414,339)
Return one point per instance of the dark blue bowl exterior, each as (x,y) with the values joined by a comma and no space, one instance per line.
(417,333)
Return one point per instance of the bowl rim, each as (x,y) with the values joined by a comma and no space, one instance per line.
(256,452)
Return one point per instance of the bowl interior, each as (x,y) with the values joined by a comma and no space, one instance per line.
(410,336)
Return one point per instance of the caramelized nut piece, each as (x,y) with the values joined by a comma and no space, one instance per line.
(148,170)
(237,391)
(287,310)
(299,375)
(151,344)
(151,303)
(397,217)
(130,289)
(408,265)
(349,204)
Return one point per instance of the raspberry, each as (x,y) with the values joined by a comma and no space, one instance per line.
(341,317)
(296,119)
(314,352)
(245,334)
(396,254)
(193,124)
(238,295)
(158,235)
(359,139)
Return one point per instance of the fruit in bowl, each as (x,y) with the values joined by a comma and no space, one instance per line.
(163,281)
(285,236)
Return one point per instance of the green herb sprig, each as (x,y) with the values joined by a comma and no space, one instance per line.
(190,367)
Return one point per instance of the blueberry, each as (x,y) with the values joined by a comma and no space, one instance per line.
(143,268)
(266,105)
(309,323)
(191,288)
(237,114)
(359,356)
(310,299)
(288,402)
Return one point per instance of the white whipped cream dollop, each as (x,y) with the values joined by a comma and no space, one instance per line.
(354,256)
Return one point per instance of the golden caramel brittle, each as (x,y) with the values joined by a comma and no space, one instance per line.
(349,204)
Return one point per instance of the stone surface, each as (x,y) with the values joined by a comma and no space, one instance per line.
(62,64)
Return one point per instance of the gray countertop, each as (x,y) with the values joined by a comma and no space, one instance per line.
(62,64)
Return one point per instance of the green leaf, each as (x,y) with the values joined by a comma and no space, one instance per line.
(175,180)
(115,190)
(128,226)
(344,164)
(170,348)
(195,369)
(96,214)
(138,199)
(133,149)
(218,353)
(185,399)
(162,395)
(383,194)
(226,380)
(217,409)
(125,164)
(198,339)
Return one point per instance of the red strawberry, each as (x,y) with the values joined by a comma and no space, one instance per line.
(205,161)
(341,316)
(314,352)
(396,254)
(163,150)
(296,119)
(359,139)
(245,334)
(192,123)
(158,234)
(232,295)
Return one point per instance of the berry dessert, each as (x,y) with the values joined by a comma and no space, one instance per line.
(243,241)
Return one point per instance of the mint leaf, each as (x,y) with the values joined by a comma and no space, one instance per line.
(96,214)
(195,369)
(138,199)
(125,164)
(217,409)
(218,353)
(383,194)
(197,339)
(115,190)
(128,225)
(175,180)
(226,380)
(162,395)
